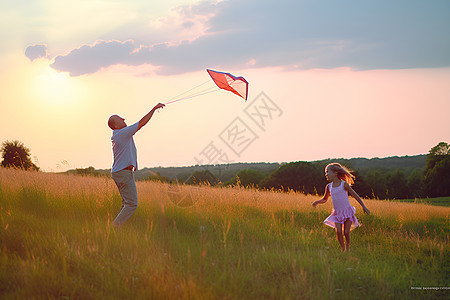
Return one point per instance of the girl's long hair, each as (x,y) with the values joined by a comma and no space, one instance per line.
(342,172)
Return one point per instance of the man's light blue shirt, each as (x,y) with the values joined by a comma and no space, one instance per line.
(124,150)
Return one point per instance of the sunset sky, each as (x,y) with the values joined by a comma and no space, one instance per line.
(328,79)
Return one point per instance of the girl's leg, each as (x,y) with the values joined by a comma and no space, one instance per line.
(340,238)
(347,225)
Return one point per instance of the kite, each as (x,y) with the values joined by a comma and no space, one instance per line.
(224,81)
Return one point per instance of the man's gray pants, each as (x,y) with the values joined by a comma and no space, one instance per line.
(127,188)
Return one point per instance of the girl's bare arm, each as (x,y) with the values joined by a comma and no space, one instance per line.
(324,198)
(356,196)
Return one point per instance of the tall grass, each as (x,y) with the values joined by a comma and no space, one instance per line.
(57,242)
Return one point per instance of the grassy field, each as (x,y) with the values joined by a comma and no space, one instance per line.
(439,201)
(57,242)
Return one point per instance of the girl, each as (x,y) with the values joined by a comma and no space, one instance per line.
(343,212)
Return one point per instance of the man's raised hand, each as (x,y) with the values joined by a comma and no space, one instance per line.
(159,105)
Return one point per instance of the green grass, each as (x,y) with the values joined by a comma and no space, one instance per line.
(57,242)
(439,201)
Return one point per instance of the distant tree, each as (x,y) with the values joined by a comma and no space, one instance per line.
(361,186)
(377,180)
(90,171)
(415,184)
(300,176)
(437,171)
(203,177)
(16,155)
(157,177)
(397,185)
(247,177)
(440,149)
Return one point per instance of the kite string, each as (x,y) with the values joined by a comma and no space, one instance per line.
(195,94)
(195,87)
(202,91)
(192,96)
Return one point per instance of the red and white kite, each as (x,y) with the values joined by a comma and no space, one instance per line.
(226,81)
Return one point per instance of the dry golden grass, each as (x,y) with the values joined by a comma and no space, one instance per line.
(202,242)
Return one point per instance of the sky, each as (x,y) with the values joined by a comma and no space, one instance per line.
(327,79)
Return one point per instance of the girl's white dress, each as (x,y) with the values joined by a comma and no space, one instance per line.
(342,210)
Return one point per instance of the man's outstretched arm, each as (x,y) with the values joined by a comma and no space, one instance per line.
(147,117)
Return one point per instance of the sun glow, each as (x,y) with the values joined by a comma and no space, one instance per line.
(56,89)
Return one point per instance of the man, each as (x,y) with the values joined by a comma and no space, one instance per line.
(125,161)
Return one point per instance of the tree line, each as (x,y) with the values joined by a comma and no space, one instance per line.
(307,177)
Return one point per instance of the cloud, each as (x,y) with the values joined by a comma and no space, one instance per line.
(292,34)
(36,51)
(91,58)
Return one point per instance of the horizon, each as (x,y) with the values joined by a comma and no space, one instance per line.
(319,86)
(260,162)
